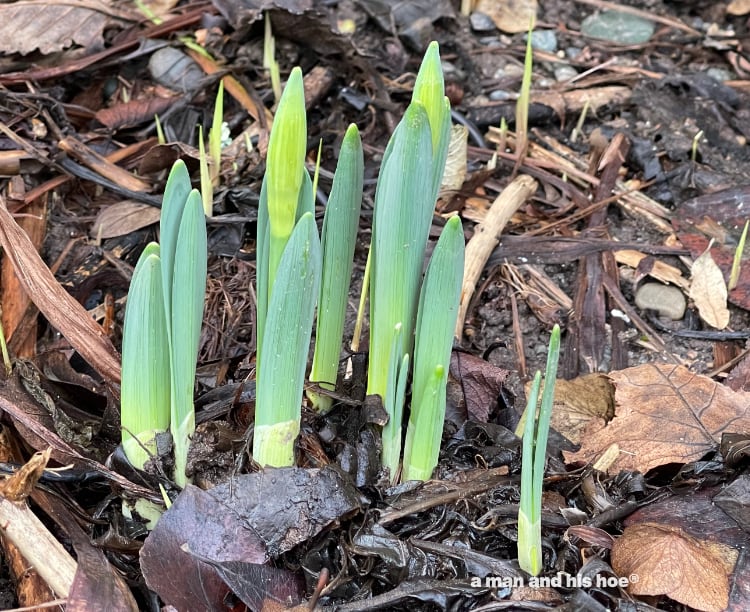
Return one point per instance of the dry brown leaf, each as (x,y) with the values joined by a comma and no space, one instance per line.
(663,560)
(510,16)
(52,26)
(709,291)
(122,218)
(455,166)
(57,305)
(660,271)
(582,405)
(665,414)
(738,7)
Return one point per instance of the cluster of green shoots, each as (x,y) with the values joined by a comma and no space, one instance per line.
(162,327)
(534,455)
(412,315)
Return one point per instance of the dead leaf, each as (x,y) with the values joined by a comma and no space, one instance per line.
(51,26)
(665,414)
(474,386)
(57,305)
(668,561)
(659,270)
(134,112)
(709,291)
(582,405)
(510,16)
(21,483)
(455,165)
(738,7)
(122,218)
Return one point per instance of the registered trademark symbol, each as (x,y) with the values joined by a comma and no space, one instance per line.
(633,578)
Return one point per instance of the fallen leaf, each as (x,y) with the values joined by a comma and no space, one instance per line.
(474,386)
(122,218)
(709,291)
(134,112)
(738,7)
(582,405)
(662,560)
(510,16)
(665,414)
(60,308)
(698,514)
(51,26)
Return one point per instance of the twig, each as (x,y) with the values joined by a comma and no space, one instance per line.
(485,238)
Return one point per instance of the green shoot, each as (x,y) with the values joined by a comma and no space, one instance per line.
(536,431)
(338,239)
(186,317)
(145,391)
(207,188)
(215,136)
(694,148)
(357,334)
(159,131)
(288,329)
(436,320)
(734,276)
(269,58)
(405,197)
(522,105)
(285,168)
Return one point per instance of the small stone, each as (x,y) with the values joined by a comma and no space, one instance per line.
(481,22)
(565,72)
(499,95)
(544,40)
(667,300)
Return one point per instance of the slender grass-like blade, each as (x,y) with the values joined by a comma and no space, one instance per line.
(529,516)
(339,237)
(145,392)
(286,343)
(189,291)
(535,435)
(436,320)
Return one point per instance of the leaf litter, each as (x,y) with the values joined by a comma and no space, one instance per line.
(647,462)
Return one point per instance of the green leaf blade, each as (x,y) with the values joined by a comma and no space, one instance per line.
(287,334)
(338,240)
(189,285)
(145,392)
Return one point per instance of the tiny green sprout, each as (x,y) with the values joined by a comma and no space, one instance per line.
(734,276)
(694,148)
(534,455)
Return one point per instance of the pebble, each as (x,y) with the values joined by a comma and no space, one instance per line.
(667,300)
(481,22)
(565,72)
(544,40)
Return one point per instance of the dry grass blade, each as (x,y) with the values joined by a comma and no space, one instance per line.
(57,305)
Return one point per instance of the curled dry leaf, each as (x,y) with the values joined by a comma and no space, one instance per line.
(510,16)
(665,414)
(709,291)
(663,560)
(56,304)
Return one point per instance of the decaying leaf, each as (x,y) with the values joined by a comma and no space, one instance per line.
(122,218)
(709,291)
(665,414)
(51,26)
(510,16)
(455,166)
(474,386)
(60,308)
(663,560)
(582,405)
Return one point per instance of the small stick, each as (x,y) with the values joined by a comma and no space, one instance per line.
(485,238)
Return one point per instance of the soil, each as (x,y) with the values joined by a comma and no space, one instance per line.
(667,121)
